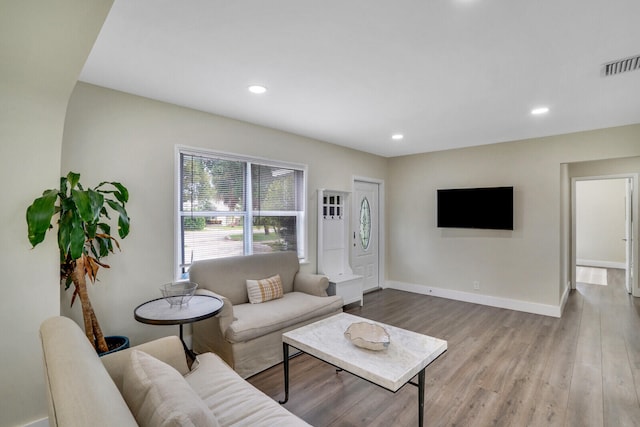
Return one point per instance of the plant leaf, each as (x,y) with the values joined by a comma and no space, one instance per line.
(63,184)
(121,193)
(106,228)
(64,234)
(123,220)
(123,226)
(91,267)
(106,241)
(104,212)
(92,228)
(76,235)
(89,203)
(39,216)
(104,245)
(73,179)
(92,246)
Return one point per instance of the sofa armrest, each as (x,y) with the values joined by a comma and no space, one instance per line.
(168,349)
(312,284)
(79,390)
(225,315)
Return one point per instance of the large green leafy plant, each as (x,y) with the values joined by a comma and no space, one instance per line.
(84,236)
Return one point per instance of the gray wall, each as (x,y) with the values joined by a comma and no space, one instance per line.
(527,265)
(43,46)
(111,135)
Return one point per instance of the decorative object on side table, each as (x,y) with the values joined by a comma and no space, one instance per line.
(368,335)
(84,236)
(178,293)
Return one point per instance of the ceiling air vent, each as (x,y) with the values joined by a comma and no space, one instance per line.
(621,66)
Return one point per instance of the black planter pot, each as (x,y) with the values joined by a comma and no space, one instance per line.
(115,343)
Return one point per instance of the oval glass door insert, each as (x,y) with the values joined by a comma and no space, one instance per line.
(365,223)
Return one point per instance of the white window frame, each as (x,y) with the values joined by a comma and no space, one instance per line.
(248,213)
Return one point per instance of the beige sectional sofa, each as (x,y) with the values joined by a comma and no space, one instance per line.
(249,336)
(150,384)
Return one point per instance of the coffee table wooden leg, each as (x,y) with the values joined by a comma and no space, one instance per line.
(421,398)
(285,361)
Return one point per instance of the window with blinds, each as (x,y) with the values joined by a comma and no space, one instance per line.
(231,205)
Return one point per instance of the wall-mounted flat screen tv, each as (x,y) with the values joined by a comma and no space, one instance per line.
(484,208)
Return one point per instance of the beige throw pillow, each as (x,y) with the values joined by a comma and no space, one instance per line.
(265,289)
(158,396)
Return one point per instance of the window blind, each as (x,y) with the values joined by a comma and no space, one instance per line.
(237,206)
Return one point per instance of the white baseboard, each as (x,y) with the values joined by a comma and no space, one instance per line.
(601,264)
(39,423)
(511,304)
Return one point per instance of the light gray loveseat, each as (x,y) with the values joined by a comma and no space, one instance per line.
(86,390)
(249,336)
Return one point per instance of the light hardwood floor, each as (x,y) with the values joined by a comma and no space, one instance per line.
(503,367)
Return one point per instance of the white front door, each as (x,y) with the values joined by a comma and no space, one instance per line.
(365,257)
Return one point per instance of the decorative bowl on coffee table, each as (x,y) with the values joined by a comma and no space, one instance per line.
(368,335)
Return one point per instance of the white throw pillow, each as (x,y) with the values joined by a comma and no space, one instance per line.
(265,289)
(158,396)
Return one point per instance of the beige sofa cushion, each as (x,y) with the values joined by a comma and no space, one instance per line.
(233,401)
(159,396)
(255,320)
(168,349)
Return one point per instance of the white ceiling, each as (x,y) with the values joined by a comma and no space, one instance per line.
(445,73)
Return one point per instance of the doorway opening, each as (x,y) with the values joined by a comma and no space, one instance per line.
(603,230)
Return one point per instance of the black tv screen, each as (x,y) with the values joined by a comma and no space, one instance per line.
(484,208)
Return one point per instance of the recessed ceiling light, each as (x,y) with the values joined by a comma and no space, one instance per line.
(397,136)
(257,89)
(540,110)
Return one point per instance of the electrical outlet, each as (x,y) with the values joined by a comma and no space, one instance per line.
(476,285)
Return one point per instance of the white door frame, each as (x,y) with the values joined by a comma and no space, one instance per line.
(628,237)
(632,223)
(381,225)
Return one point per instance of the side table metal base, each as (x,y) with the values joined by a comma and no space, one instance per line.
(189,352)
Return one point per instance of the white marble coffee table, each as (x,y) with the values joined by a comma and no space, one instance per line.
(408,354)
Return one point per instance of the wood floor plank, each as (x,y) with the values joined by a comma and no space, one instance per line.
(620,404)
(620,399)
(585,405)
(476,411)
(585,398)
(553,393)
(502,368)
